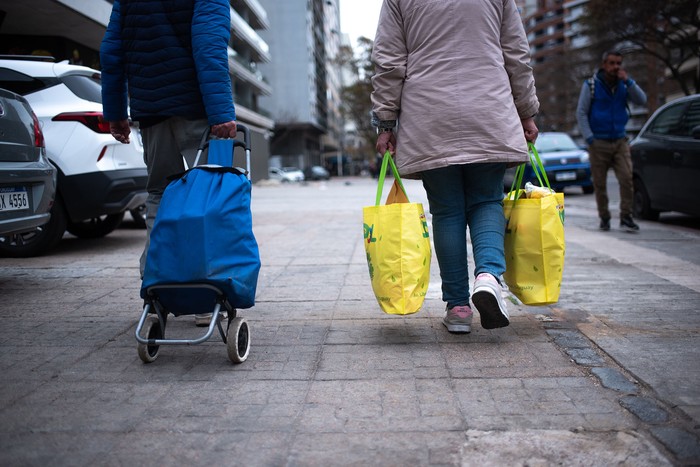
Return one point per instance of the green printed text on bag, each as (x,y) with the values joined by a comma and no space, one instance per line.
(397,244)
(534,240)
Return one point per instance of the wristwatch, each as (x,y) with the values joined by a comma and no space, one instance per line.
(384,130)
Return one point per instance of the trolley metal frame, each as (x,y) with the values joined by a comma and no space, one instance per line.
(154,316)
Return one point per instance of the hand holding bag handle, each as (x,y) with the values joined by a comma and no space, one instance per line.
(537,168)
(398,192)
(397,245)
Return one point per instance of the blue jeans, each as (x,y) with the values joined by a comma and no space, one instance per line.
(462,196)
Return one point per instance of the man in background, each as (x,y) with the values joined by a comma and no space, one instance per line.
(602,115)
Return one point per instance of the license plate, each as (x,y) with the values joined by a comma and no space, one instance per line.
(13,199)
(564,176)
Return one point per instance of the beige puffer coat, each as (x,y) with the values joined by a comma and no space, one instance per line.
(456,76)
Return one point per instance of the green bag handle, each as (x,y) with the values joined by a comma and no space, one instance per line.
(382,175)
(542,175)
(537,167)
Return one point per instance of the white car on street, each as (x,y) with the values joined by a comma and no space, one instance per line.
(286,174)
(99,179)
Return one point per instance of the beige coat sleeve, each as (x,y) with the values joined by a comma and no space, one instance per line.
(516,55)
(389,56)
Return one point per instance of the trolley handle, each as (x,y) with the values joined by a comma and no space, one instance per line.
(245,144)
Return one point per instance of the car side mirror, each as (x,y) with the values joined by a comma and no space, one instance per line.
(695,132)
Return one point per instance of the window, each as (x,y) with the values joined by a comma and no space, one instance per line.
(692,118)
(23,84)
(85,87)
(668,122)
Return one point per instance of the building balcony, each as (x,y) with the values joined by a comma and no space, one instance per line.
(245,72)
(258,118)
(257,17)
(241,31)
(81,21)
(547,38)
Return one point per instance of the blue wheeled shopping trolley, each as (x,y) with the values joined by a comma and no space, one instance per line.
(203,256)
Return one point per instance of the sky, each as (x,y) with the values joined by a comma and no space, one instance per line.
(359,18)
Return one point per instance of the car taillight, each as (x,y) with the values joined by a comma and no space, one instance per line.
(38,134)
(92,120)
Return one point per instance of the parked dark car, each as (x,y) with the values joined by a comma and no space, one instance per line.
(27,178)
(316,172)
(566,164)
(666,160)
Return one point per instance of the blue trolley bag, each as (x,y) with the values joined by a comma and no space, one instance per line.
(203,234)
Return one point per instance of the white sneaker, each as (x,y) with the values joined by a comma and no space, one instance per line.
(458,319)
(488,301)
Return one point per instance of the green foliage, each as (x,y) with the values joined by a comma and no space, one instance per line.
(356,96)
(667,30)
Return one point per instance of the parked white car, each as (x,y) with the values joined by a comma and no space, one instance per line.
(99,179)
(286,174)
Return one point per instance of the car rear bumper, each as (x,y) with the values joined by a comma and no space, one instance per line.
(561,176)
(564,176)
(39,181)
(98,193)
(23,224)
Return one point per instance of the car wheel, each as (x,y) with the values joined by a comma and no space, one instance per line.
(139,216)
(96,227)
(37,241)
(587,190)
(642,204)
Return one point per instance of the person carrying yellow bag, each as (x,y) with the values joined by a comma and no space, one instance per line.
(397,244)
(454,98)
(534,240)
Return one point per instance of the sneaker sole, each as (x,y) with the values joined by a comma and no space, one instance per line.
(458,328)
(489,310)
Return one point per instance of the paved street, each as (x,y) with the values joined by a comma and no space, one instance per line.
(608,376)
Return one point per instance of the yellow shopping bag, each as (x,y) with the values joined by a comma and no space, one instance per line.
(398,248)
(534,240)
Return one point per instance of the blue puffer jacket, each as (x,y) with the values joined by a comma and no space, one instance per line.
(172,56)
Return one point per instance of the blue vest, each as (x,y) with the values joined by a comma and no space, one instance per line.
(608,113)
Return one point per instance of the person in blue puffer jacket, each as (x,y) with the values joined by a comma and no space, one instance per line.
(166,63)
(602,116)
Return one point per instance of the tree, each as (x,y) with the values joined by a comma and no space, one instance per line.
(356,96)
(667,30)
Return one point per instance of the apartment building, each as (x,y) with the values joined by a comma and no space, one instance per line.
(73,29)
(304,37)
(526,7)
(557,86)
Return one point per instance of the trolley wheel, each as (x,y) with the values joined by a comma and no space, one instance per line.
(148,353)
(238,340)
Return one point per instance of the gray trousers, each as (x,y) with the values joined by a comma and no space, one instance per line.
(165,148)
